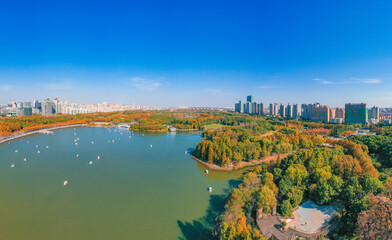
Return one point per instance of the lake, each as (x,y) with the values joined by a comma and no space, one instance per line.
(134,191)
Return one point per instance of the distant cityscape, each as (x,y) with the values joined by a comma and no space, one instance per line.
(50,107)
(353,113)
(56,106)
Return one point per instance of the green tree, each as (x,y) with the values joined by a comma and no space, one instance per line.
(266,199)
(286,209)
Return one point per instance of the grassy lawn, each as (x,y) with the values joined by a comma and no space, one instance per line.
(212,126)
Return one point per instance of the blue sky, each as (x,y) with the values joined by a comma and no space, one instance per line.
(197,53)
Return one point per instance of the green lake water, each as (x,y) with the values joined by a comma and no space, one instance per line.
(133,192)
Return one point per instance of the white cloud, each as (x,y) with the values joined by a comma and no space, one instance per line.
(367,80)
(144,84)
(316,79)
(329,82)
(5,87)
(352,81)
(59,86)
(266,87)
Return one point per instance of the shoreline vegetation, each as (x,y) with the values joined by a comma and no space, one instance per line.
(265,160)
(21,134)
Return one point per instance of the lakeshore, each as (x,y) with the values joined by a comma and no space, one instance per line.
(37,131)
(243,164)
(21,134)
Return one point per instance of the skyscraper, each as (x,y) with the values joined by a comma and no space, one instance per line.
(296,111)
(282,110)
(320,113)
(249,98)
(248,108)
(289,111)
(261,109)
(307,111)
(48,107)
(339,113)
(239,107)
(374,114)
(356,113)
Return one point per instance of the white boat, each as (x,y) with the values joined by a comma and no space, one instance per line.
(25,160)
(112,140)
(76,144)
(16,151)
(36,146)
(98,157)
(47,147)
(38,152)
(186,152)
(206,171)
(74,134)
(90,163)
(77,155)
(92,142)
(65,183)
(13,165)
(28,142)
(210,189)
(150,146)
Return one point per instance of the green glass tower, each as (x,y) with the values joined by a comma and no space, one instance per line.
(356,113)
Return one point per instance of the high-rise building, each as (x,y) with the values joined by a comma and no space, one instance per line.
(356,113)
(248,108)
(307,111)
(339,113)
(13,104)
(289,111)
(36,104)
(25,111)
(239,107)
(374,114)
(48,107)
(320,113)
(19,105)
(332,113)
(249,98)
(255,108)
(261,109)
(282,110)
(274,109)
(296,111)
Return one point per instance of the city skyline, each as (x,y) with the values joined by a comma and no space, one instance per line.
(205,54)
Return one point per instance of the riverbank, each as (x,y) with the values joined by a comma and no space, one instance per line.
(28,133)
(233,167)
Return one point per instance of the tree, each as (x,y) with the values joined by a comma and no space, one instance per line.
(372,185)
(297,173)
(266,199)
(326,191)
(295,196)
(388,186)
(286,209)
(376,222)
